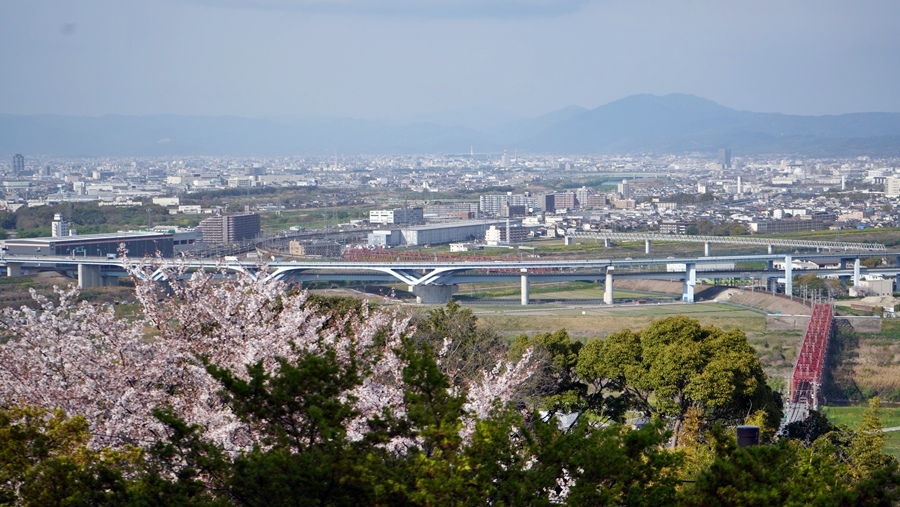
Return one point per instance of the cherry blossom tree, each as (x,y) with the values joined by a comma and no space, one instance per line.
(83,359)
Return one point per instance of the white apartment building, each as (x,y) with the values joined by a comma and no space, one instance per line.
(892,187)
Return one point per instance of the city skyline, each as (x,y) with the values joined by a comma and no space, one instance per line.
(402,59)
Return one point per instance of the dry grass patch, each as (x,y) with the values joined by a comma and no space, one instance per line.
(876,367)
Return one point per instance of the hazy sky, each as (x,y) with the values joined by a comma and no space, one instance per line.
(387,58)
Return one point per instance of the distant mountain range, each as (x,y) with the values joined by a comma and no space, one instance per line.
(674,123)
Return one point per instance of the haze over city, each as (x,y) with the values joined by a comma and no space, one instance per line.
(407,59)
(420,252)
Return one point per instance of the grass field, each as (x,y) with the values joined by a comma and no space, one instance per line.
(596,321)
(552,290)
(890,330)
(851,416)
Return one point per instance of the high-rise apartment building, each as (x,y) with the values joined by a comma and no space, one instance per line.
(59,227)
(223,229)
(492,204)
(564,200)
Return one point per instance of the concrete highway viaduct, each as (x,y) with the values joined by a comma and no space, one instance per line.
(436,282)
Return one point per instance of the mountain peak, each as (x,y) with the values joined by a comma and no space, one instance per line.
(681,101)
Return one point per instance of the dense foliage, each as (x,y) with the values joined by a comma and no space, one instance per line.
(86,217)
(241,392)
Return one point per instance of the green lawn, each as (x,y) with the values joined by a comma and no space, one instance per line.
(851,416)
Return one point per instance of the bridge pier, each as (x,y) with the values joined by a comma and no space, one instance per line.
(13,268)
(788,276)
(89,276)
(647,246)
(690,280)
(706,249)
(771,249)
(856,272)
(433,294)
(608,287)
(525,295)
(606,245)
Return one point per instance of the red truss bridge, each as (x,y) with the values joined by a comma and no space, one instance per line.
(806,380)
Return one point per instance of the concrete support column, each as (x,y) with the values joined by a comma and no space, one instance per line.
(788,276)
(771,250)
(706,249)
(524,287)
(608,287)
(606,245)
(89,276)
(769,265)
(13,268)
(433,294)
(646,246)
(690,280)
(856,272)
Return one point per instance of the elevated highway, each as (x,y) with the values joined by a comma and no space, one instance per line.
(435,282)
(769,243)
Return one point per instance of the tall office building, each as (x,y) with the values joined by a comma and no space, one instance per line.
(549,203)
(222,229)
(18,166)
(725,158)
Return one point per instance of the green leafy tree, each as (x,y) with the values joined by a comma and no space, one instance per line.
(810,429)
(680,365)
(45,461)
(600,366)
(872,262)
(790,473)
(557,383)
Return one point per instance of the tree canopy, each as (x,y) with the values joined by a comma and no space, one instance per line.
(242,392)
